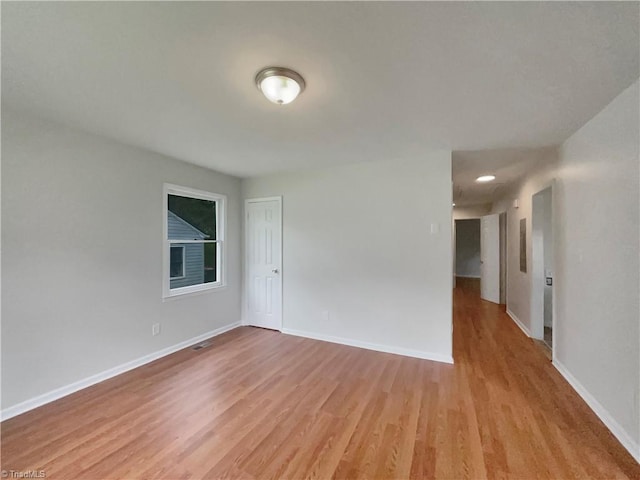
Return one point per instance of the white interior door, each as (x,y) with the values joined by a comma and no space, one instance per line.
(264,262)
(490,258)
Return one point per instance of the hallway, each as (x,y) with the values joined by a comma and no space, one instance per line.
(258,404)
(531,423)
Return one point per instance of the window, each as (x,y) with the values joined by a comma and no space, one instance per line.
(193,240)
(176,264)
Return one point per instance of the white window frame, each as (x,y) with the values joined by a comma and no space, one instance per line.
(221,223)
(184,261)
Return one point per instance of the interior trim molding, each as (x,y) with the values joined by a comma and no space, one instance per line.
(519,323)
(58,393)
(616,429)
(467,276)
(436,357)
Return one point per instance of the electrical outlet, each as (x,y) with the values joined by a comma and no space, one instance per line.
(325,316)
(155,329)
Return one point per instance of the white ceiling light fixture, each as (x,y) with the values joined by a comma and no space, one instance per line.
(280,85)
(486,178)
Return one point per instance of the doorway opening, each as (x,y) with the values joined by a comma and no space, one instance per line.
(480,256)
(466,254)
(468,248)
(542,261)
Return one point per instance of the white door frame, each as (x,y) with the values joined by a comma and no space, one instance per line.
(503,234)
(537,290)
(245,300)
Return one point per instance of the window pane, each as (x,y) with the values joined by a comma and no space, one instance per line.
(210,262)
(177,261)
(199,264)
(191,218)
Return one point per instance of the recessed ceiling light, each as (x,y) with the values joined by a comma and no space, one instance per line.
(280,85)
(486,178)
(453,204)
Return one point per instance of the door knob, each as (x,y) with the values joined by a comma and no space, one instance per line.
(275,270)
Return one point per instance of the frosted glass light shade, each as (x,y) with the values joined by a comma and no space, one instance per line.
(280,89)
(280,85)
(485,178)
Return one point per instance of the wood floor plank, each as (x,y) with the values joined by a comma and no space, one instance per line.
(260,405)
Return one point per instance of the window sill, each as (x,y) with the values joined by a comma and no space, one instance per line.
(178,295)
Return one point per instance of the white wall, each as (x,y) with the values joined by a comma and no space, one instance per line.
(472,211)
(596,209)
(519,283)
(82,256)
(467,252)
(357,244)
(597,260)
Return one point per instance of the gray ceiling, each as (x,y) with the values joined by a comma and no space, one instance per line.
(384,80)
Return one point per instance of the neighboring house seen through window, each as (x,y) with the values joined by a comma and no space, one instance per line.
(193,251)
(176,266)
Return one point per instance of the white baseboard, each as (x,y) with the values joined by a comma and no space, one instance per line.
(48,397)
(436,357)
(517,321)
(623,437)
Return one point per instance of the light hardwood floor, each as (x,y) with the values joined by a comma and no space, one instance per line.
(259,404)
